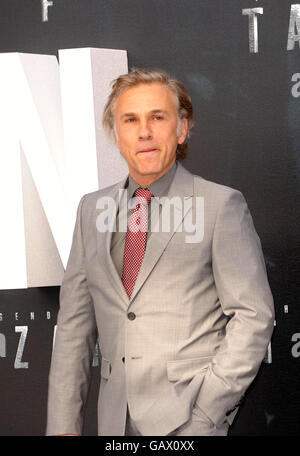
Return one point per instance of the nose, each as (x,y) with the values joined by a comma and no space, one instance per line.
(145,130)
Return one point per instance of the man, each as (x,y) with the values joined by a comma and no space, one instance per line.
(183,320)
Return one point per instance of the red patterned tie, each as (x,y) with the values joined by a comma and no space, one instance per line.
(135,244)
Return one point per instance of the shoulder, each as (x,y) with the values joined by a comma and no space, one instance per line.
(216,195)
(90,201)
(92,197)
(215,192)
(226,208)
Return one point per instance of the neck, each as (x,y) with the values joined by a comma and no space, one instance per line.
(145,181)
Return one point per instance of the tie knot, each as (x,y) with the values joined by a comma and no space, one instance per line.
(143,195)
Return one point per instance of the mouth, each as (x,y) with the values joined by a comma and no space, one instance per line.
(147,150)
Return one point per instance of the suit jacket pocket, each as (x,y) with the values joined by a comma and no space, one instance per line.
(186,369)
(105,368)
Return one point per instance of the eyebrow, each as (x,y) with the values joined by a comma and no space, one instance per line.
(153,111)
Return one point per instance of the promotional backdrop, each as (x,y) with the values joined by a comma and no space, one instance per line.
(240,61)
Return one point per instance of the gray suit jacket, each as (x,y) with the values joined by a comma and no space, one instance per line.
(195,330)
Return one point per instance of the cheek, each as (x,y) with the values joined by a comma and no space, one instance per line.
(123,142)
(169,135)
(171,142)
(127,149)
(122,136)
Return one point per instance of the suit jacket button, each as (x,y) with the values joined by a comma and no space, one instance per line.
(131,316)
(123,359)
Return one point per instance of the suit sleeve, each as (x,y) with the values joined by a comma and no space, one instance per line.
(75,341)
(245,296)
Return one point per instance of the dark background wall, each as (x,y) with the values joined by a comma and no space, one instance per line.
(246,136)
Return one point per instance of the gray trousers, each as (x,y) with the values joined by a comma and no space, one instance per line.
(195,426)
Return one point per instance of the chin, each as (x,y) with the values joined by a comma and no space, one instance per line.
(150,167)
(150,170)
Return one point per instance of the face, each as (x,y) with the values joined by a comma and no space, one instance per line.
(146,120)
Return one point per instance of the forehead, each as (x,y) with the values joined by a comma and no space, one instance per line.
(147,97)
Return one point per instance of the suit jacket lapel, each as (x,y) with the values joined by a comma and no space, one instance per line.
(182,186)
(104,246)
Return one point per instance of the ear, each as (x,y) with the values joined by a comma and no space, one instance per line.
(184,131)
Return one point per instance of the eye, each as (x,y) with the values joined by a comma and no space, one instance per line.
(130,120)
(158,117)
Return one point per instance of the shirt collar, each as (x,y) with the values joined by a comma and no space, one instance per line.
(158,188)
